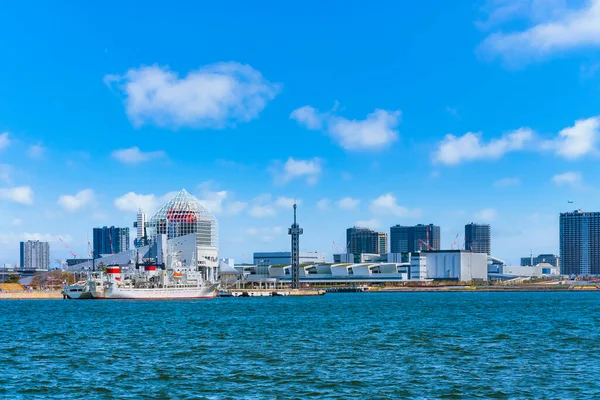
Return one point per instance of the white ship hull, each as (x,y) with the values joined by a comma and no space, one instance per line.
(203,292)
(78,291)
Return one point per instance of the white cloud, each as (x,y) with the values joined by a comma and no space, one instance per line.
(323,204)
(504,182)
(560,30)
(134,155)
(578,140)
(19,194)
(4,140)
(297,169)
(76,202)
(387,205)
(36,151)
(210,199)
(216,95)
(454,150)
(376,132)
(17,222)
(262,211)
(370,223)
(287,202)
(308,116)
(568,178)
(348,203)
(486,215)
(149,203)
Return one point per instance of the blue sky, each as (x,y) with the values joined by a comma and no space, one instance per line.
(376,114)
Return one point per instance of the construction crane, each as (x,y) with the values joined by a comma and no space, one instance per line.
(67,247)
(454,244)
(423,243)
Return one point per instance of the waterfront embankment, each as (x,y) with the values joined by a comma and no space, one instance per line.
(31,295)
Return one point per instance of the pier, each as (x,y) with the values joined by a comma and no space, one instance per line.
(270,292)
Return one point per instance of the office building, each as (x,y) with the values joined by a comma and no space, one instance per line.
(532,261)
(580,243)
(364,240)
(140,225)
(285,258)
(35,255)
(478,238)
(411,239)
(382,243)
(111,240)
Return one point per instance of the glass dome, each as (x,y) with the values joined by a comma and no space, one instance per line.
(181,216)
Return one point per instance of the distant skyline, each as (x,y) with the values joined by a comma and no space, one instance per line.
(369,114)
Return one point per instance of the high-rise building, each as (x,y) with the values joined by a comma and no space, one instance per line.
(111,240)
(382,243)
(140,224)
(411,239)
(478,238)
(35,255)
(364,240)
(580,243)
(531,261)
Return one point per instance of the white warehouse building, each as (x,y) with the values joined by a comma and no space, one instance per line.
(460,265)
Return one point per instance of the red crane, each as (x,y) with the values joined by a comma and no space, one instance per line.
(67,247)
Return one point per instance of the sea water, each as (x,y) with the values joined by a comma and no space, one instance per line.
(355,345)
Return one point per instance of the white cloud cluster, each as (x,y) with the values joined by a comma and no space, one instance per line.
(149,203)
(568,178)
(310,170)
(377,131)
(134,155)
(80,200)
(19,194)
(559,29)
(387,204)
(214,96)
(454,150)
(265,234)
(578,140)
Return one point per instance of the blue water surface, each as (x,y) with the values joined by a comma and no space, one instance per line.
(355,345)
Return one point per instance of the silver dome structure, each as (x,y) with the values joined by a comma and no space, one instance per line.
(182,216)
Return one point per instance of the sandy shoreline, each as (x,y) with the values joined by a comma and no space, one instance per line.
(31,295)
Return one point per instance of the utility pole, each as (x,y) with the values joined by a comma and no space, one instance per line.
(295,231)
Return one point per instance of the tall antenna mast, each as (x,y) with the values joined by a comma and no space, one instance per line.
(295,231)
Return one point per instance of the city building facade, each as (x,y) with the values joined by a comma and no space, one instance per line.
(285,257)
(364,240)
(35,255)
(580,243)
(412,239)
(478,238)
(110,240)
(531,261)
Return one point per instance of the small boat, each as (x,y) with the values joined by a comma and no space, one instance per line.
(78,291)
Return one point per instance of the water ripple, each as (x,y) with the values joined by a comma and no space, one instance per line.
(340,346)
